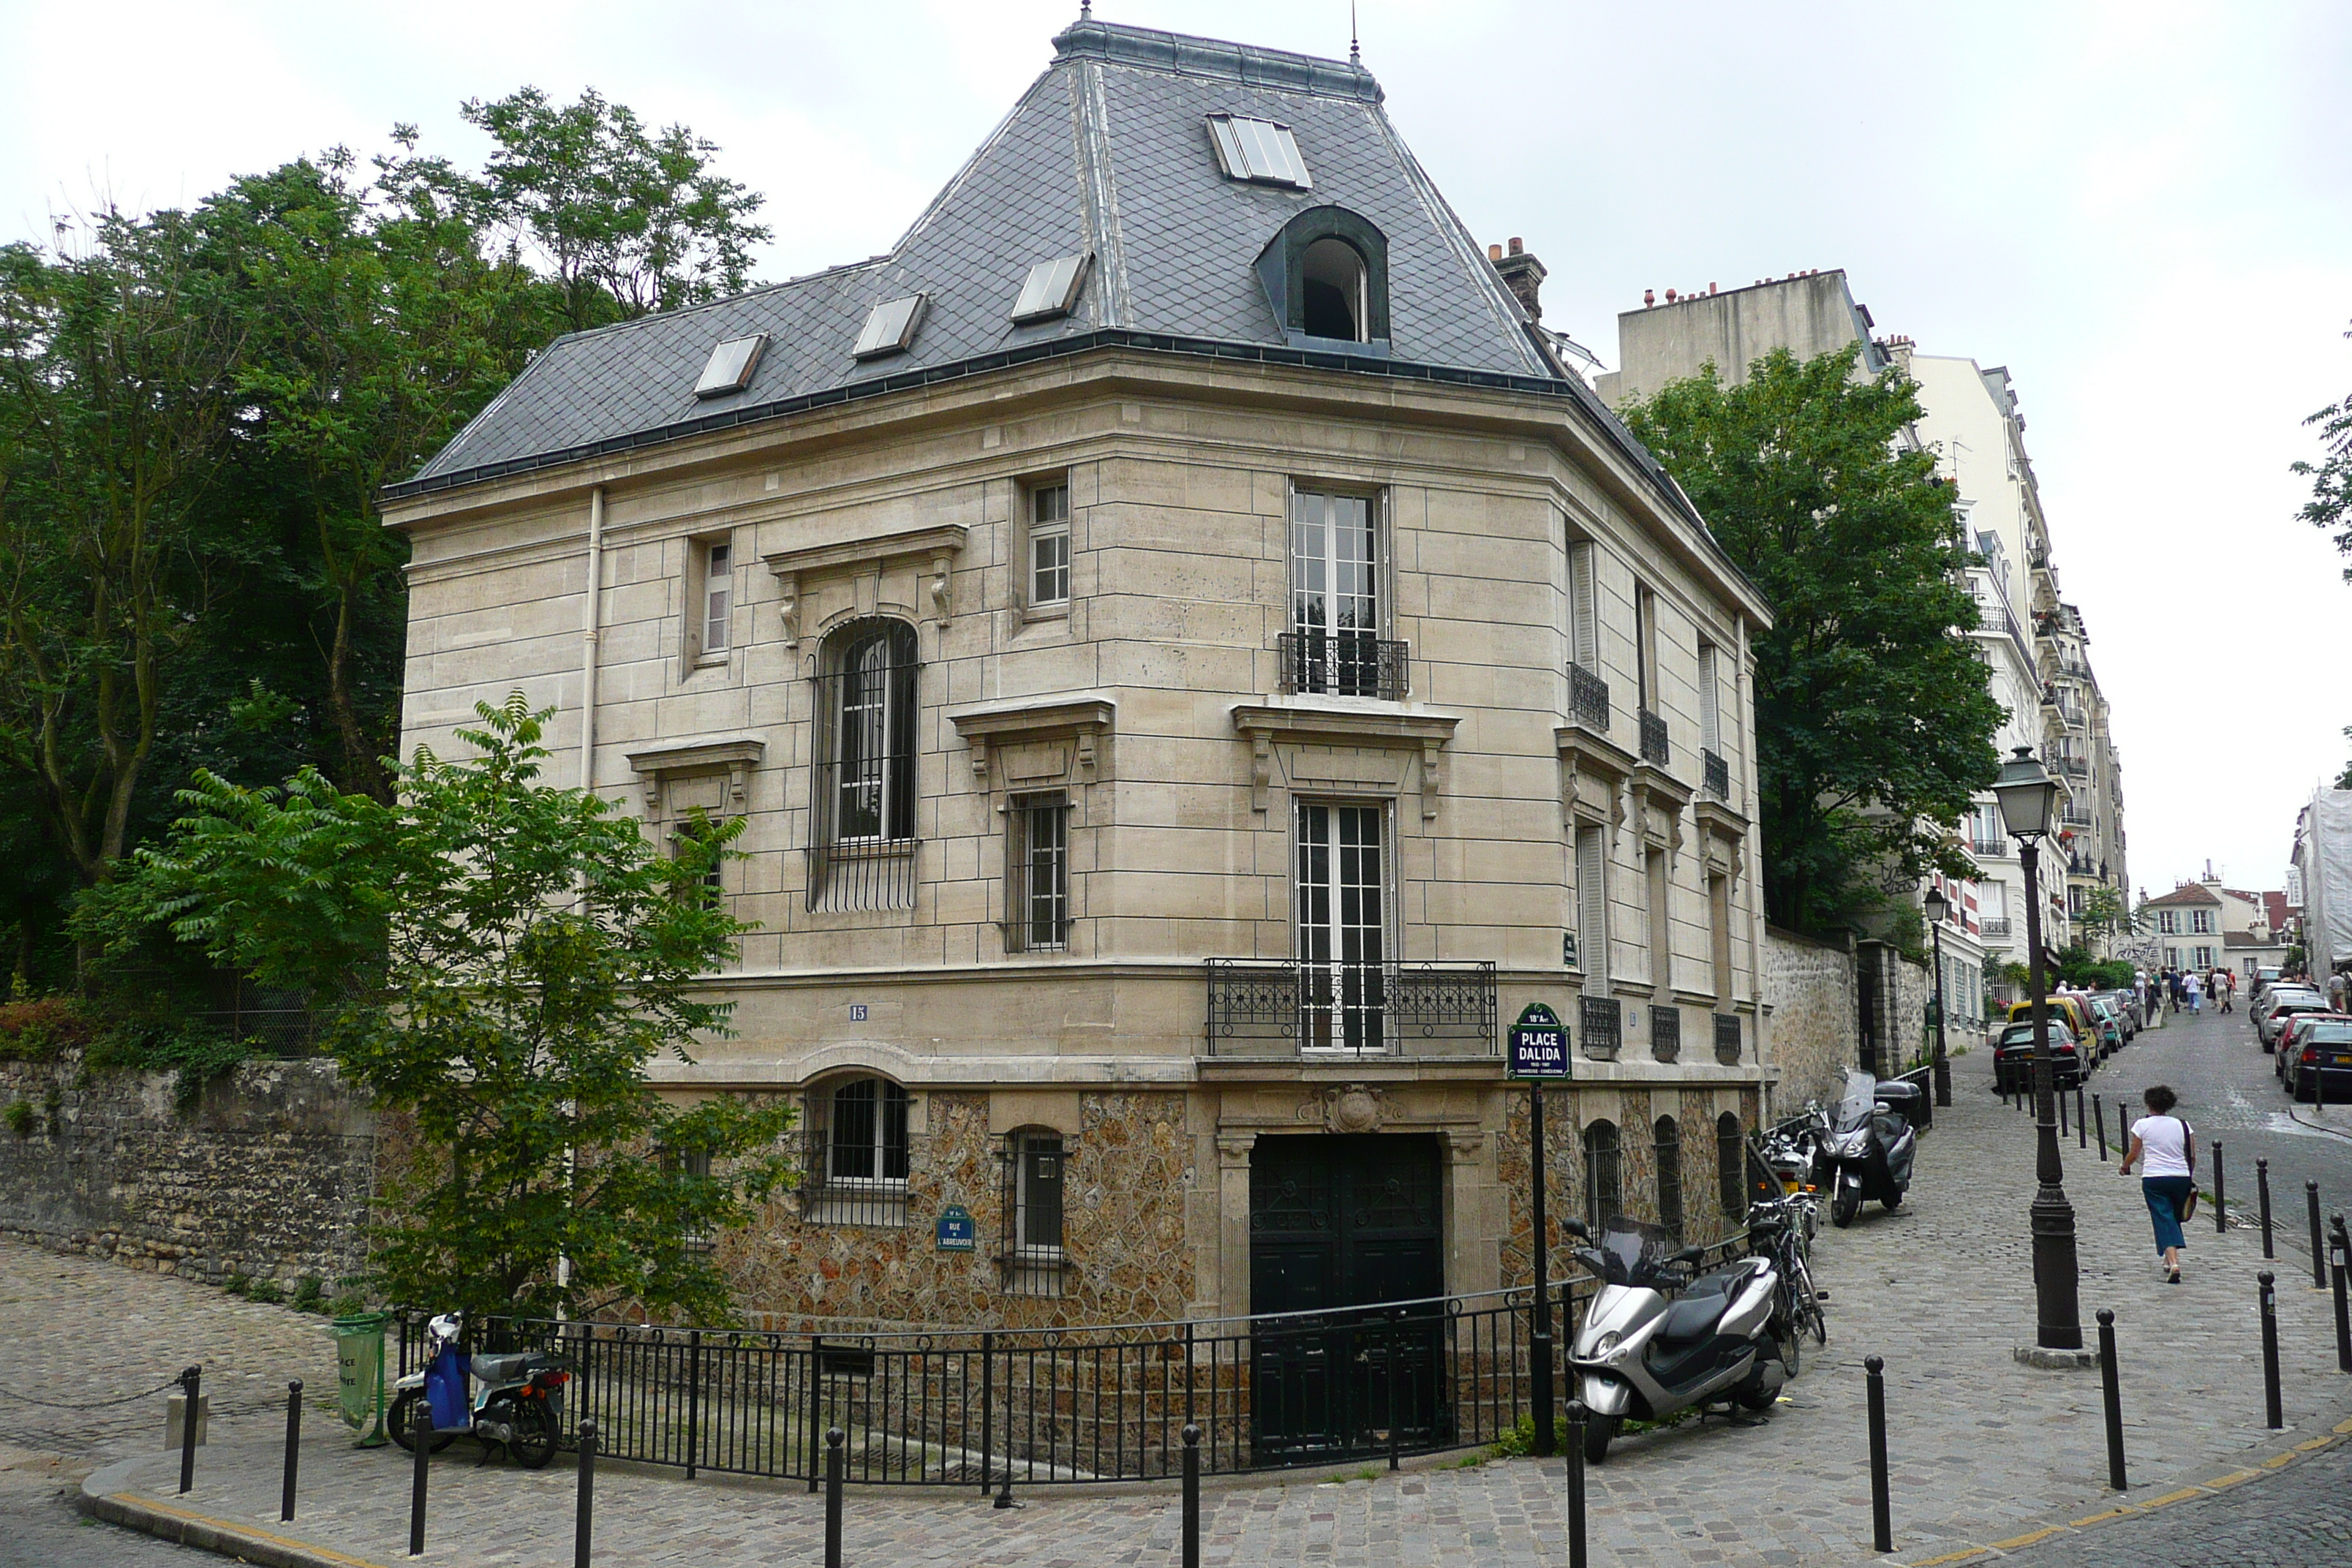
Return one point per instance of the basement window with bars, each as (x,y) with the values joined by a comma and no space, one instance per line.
(857,1155)
(1031,1253)
(862,845)
(1037,876)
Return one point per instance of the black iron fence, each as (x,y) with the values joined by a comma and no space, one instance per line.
(1716,773)
(1654,747)
(1106,1404)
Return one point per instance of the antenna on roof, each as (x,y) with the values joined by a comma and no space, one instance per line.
(1355,52)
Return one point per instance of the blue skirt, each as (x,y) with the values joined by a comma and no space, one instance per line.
(2165,1195)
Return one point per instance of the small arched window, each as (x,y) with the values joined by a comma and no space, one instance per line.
(1325,278)
(863,839)
(1336,282)
(1666,1149)
(857,1153)
(1605,1193)
(1731,1164)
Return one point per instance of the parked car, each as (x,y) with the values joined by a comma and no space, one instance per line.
(2107,1023)
(2074,1009)
(2128,1004)
(2292,1006)
(2271,998)
(2317,1049)
(2264,978)
(2012,1057)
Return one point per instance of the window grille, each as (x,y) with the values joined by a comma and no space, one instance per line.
(693,1166)
(1604,1194)
(1731,1165)
(1666,1151)
(1666,1033)
(1654,745)
(1603,1026)
(1727,1038)
(862,843)
(1037,841)
(857,1157)
(1049,544)
(1032,1254)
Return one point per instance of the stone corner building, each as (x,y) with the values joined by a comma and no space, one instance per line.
(1192,665)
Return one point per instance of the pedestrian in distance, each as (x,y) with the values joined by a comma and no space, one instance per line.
(2196,994)
(2336,988)
(2225,987)
(2165,1148)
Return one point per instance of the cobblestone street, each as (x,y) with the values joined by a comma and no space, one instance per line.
(1985,1451)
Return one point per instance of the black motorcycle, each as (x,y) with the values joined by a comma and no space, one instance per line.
(1867,1152)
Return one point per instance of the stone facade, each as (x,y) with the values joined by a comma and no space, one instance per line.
(270,1177)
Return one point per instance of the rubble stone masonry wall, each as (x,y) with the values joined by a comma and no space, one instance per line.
(1816,1024)
(270,1177)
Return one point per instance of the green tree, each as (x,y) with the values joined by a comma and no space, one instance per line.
(1874,724)
(502,961)
(2330,506)
(2103,912)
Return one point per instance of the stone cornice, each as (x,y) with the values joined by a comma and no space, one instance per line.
(1087,717)
(940,544)
(735,755)
(1342,721)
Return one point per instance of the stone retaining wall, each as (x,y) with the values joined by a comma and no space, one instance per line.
(1816,1021)
(270,1177)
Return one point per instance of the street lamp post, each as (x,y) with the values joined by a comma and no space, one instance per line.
(2028,799)
(1938,909)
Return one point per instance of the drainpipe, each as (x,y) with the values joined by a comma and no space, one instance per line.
(588,635)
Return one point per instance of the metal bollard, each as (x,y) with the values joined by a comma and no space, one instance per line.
(2340,1259)
(192,1383)
(583,1521)
(2221,1207)
(2318,1248)
(1576,1414)
(2263,1195)
(2275,1417)
(2063,1129)
(1192,1497)
(2082,1126)
(420,1441)
(833,1460)
(1882,1519)
(293,1450)
(2099,1113)
(2111,1385)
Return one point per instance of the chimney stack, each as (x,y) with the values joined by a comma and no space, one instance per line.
(1522,274)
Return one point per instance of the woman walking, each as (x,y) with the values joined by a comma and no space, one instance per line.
(2165,1147)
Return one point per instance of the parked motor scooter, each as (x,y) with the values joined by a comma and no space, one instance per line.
(1654,1340)
(1867,1152)
(514,1399)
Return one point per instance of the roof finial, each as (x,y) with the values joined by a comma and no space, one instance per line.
(1355,52)
(1086,10)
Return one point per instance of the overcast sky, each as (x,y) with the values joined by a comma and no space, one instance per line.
(2141,208)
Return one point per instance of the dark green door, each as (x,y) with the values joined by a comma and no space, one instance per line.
(1339,1226)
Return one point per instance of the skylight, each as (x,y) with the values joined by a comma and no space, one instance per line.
(731,367)
(1052,289)
(889,326)
(1258,150)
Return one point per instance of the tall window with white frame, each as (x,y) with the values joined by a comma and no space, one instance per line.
(1037,833)
(1343,903)
(718,596)
(1335,598)
(1049,546)
(863,843)
(1032,1211)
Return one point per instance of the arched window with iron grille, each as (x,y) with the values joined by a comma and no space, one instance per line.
(1605,1193)
(1731,1164)
(1666,1152)
(862,838)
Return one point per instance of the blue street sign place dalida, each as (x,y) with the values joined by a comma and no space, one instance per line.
(1538,1044)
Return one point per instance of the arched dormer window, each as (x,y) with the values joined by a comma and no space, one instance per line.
(863,843)
(1326,276)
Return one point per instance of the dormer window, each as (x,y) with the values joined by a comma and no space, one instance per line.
(1333,305)
(890,327)
(1051,289)
(1259,152)
(1325,278)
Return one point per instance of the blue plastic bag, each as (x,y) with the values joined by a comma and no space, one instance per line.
(445,1392)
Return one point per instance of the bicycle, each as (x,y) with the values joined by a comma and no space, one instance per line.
(1776,1229)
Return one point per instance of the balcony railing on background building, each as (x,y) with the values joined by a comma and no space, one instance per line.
(1286,1005)
(2075,817)
(1997,926)
(1717,775)
(1588,699)
(1344,664)
(1994,848)
(1654,739)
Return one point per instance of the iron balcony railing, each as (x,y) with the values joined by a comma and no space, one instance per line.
(1997,926)
(1666,1033)
(1588,699)
(1654,739)
(1285,1006)
(1993,847)
(1717,775)
(1345,664)
(2070,767)
(2075,817)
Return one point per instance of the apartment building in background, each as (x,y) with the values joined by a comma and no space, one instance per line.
(1192,665)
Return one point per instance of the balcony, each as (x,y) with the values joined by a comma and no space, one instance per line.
(1997,926)
(1294,1008)
(1989,849)
(1654,739)
(2071,768)
(1344,664)
(1588,699)
(1718,779)
(2076,816)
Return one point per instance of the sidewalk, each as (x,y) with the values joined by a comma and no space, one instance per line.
(1986,1453)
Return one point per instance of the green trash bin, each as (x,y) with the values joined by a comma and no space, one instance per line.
(360,1380)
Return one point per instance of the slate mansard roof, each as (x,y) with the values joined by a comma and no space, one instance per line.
(1108,153)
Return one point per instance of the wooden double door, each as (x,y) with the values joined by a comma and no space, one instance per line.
(1346,1253)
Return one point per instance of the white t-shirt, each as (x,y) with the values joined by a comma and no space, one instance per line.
(2163,1145)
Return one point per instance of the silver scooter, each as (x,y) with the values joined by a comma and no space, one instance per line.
(1655,1339)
